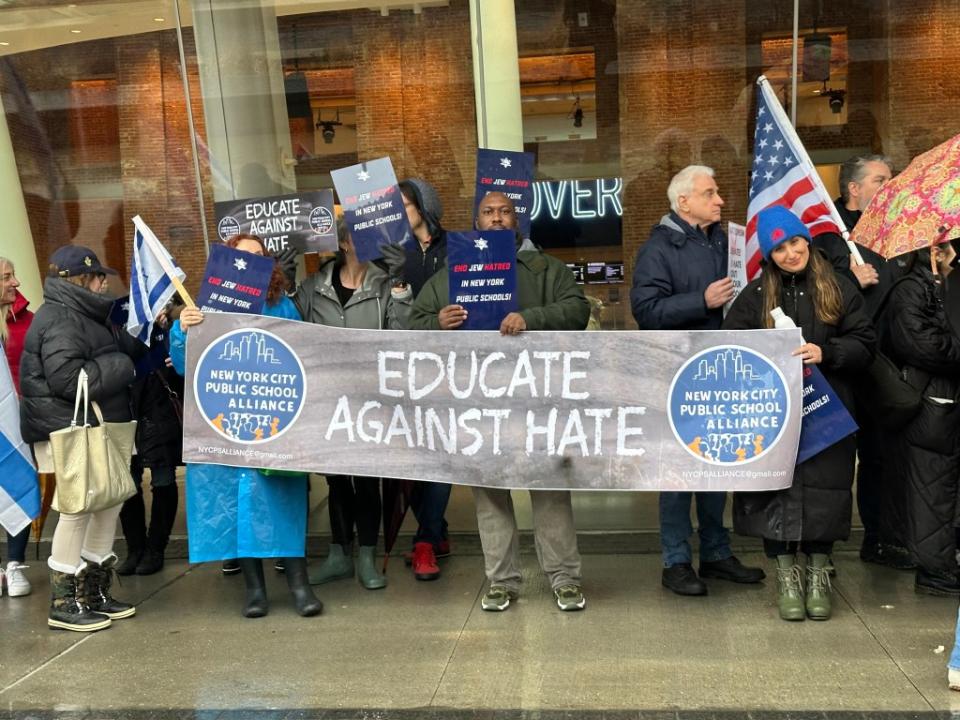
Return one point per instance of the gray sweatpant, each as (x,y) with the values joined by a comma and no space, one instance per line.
(553,532)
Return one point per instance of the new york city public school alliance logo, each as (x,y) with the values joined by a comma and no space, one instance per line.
(728,404)
(250,386)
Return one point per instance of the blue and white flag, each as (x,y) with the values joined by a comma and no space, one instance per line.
(19,491)
(150,284)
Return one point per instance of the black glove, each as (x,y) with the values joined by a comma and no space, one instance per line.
(288,264)
(394,257)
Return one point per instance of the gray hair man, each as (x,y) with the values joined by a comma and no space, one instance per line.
(680,282)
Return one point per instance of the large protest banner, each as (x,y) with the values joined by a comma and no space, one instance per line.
(598,411)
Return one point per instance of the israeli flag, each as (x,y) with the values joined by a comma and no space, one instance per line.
(150,284)
(19,491)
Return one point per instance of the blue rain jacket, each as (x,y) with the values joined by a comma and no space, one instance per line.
(240,512)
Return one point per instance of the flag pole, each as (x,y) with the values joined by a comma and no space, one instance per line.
(154,246)
(790,134)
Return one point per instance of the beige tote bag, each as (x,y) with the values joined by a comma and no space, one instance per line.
(92,463)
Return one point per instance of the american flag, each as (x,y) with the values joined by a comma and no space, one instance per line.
(782,174)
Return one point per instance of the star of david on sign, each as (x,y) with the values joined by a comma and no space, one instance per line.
(505,162)
(363,176)
(481,244)
(240,264)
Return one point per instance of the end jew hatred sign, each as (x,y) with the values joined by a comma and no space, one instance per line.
(483,276)
(599,411)
(372,206)
(304,221)
(508,172)
(234,281)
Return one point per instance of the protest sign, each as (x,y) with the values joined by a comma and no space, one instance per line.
(736,260)
(654,410)
(826,419)
(483,276)
(508,172)
(372,206)
(304,221)
(234,281)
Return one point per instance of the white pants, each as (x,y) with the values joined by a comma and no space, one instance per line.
(86,536)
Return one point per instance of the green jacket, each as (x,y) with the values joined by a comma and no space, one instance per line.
(549,296)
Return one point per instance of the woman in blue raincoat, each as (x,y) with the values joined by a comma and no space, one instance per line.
(242,513)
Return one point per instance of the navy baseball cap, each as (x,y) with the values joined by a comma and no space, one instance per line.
(73,260)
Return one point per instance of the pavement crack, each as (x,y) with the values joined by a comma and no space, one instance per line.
(456,644)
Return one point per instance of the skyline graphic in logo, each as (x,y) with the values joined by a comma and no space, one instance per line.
(250,386)
(728,405)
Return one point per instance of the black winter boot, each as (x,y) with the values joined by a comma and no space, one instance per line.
(134,532)
(163,512)
(96,590)
(306,602)
(68,611)
(256,602)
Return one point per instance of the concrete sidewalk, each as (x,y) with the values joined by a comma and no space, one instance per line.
(428,650)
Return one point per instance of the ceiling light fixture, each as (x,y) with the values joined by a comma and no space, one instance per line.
(76,32)
(159,19)
(4,43)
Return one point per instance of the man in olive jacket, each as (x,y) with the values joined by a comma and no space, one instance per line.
(549,299)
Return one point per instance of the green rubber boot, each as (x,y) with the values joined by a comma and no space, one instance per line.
(818,587)
(367,569)
(789,588)
(338,565)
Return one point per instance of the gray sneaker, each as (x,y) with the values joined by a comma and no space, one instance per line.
(497,598)
(570,598)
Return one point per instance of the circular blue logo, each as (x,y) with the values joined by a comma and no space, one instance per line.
(321,220)
(728,404)
(250,386)
(228,227)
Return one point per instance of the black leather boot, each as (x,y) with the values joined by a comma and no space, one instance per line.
(134,532)
(163,512)
(305,601)
(256,602)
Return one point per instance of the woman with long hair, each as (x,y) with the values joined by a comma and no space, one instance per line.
(71,332)
(15,320)
(346,292)
(208,484)
(814,512)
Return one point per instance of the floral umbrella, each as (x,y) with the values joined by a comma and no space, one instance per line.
(918,208)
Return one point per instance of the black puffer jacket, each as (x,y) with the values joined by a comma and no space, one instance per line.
(924,457)
(70,333)
(155,395)
(817,506)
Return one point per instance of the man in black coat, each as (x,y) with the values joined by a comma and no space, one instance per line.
(680,282)
(860,179)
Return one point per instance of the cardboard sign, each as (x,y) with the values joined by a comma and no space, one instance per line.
(372,205)
(304,221)
(510,173)
(234,281)
(483,276)
(736,260)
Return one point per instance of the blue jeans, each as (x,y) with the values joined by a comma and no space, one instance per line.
(955,654)
(676,529)
(429,504)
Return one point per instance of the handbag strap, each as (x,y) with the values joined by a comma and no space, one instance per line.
(83,390)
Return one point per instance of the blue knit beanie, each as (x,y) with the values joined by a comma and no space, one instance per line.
(776,225)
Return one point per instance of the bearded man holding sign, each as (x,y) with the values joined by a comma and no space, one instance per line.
(549,299)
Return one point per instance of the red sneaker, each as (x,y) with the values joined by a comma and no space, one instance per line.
(425,562)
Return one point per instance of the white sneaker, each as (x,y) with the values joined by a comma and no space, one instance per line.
(17,583)
(953,678)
